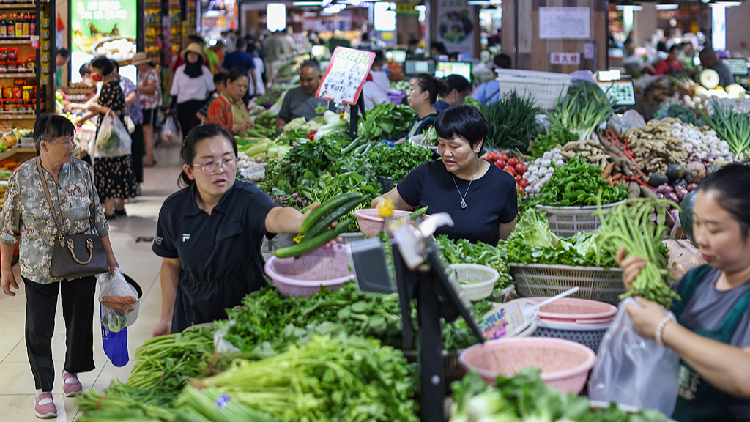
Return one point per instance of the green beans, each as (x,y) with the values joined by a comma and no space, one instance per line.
(629,225)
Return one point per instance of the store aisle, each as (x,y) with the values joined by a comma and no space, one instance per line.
(137,260)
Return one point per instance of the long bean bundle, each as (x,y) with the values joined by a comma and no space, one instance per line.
(630,225)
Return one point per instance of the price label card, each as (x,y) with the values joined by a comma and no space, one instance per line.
(345,76)
(35,42)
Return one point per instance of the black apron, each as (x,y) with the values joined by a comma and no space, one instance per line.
(698,400)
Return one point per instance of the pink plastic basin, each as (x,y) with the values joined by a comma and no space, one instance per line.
(572,309)
(565,365)
(304,276)
(370,222)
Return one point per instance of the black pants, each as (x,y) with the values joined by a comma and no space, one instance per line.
(78,311)
(186,115)
(138,150)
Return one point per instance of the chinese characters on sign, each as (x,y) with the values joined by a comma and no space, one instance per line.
(564,22)
(565,58)
(104,10)
(346,73)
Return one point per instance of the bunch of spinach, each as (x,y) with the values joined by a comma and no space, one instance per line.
(511,122)
(387,121)
(578,183)
(398,161)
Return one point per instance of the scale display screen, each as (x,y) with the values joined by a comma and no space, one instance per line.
(736,66)
(621,92)
(446,69)
(414,67)
(397,56)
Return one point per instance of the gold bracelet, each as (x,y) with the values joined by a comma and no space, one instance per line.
(660,329)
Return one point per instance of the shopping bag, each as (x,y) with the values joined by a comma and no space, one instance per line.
(170,133)
(115,344)
(119,301)
(129,124)
(113,139)
(633,371)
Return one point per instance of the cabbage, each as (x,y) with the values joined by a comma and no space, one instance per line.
(533,229)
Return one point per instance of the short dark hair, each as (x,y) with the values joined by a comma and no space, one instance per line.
(413,42)
(116,65)
(439,46)
(189,145)
(220,78)
(502,61)
(241,43)
(104,64)
(365,36)
(464,121)
(311,63)
(49,127)
(85,69)
(453,55)
(729,184)
(457,82)
(236,73)
(378,60)
(63,52)
(675,47)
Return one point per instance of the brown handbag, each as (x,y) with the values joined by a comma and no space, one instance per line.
(74,255)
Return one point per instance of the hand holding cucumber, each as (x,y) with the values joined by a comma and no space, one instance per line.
(320,225)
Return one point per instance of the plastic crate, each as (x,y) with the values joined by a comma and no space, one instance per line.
(595,283)
(590,337)
(567,221)
(544,87)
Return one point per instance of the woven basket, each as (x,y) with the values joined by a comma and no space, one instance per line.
(544,87)
(567,221)
(595,283)
(590,337)
(483,276)
(304,276)
(370,222)
(565,365)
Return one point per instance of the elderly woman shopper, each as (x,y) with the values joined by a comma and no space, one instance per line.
(228,110)
(27,217)
(113,172)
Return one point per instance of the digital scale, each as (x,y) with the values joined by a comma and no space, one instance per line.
(738,67)
(619,89)
(418,274)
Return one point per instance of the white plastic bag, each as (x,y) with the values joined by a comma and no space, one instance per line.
(119,301)
(633,371)
(170,133)
(113,139)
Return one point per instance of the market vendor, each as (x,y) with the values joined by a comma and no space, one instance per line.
(710,61)
(210,232)
(672,64)
(480,197)
(301,101)
(456,89)
(711,333)
(422,96)
(228,110)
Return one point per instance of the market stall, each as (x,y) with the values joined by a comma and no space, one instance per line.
(320,344)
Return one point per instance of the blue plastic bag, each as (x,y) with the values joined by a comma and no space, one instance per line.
(115,345)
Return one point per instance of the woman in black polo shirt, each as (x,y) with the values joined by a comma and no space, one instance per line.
(480,197)
(209,234)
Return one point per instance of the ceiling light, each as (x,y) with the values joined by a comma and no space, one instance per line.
(667,5)
(479,2)
(307,3)
(726,3)
(629,4)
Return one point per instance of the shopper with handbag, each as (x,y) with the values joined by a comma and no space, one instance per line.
(113,172)
(40,213)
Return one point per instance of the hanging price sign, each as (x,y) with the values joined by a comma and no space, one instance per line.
(35,42)
(345,76)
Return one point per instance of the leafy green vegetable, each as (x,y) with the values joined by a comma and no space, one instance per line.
(578,183)
(470,101)
(387,121)
(732,127)
(583,109)
(533,229)
(525,397)
(398,161)
(464,252)
(678,111)
(511,122)
(557,135)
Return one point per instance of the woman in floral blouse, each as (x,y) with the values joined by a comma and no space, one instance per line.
(27,217)
(113,172)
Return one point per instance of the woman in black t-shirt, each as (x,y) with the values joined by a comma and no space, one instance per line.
(480,197)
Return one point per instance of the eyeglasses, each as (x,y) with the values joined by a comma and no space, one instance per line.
(212,167)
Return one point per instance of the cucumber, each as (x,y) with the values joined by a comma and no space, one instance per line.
(326,221)
(418,213)
(326,208)
(351,146)
(314,243)
(359,149)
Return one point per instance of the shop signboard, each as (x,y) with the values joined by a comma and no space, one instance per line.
(407,8)
(456,25)
(345,75)
(102,28)
(565,23)
(565,58)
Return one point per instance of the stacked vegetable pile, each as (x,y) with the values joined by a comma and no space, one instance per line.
(387,121)
(702,142)
(464,252)
(557,137)
(582,110)
(732,127)
(578,183)
(655,147)
(510,165)
(511,122)
(525,397)
(541,170)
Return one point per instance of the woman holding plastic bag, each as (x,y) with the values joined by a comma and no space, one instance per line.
(27,219)
(711,332)
(113,171)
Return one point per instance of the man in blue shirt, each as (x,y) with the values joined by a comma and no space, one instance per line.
(241,58)
(489,92)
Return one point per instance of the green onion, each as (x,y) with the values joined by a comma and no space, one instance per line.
(734,128)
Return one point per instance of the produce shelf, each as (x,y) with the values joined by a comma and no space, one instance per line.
(17,75)
(18,6)
(16,150)
(27,116)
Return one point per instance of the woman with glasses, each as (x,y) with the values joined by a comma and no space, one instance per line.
(210,232)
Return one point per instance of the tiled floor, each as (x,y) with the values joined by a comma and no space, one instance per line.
(137,260)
